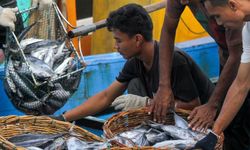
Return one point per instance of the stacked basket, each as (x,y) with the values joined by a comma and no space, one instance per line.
(127,120)
(11,126)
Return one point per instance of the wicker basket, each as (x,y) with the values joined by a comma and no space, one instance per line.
(15,125)
(127,120)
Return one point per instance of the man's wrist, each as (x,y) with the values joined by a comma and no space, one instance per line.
(213,104)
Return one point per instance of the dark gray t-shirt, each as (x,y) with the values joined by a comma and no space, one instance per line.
(188,81)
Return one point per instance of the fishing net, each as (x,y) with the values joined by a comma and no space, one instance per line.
(43,68)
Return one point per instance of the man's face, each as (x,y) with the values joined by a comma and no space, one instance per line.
(125,45)
(228,16)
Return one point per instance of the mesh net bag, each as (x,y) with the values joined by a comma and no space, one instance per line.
(43,68)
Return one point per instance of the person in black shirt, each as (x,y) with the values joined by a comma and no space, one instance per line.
(132,30)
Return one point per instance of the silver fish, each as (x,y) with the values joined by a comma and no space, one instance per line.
(39,53)
(40,69)
(180,122)
(40,44)
(177,132)
(139,138)
(156,136)
(64,66)
(33,148)
(29,41)
(59,51)
(74,143)
(175,144)
(49,57)
(58,144)
(37,140)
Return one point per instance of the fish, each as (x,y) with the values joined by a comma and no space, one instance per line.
(44,58)
(71,82)
(39,44)
(8,80)
(40,69)
(33,148)
(58,144)
(36,140)
(59,51)
(74,143)
(64,66)
(49,57)
(138,137)
(29,41)
(19,82)
(175,144)
(177,132)
(60,93)
(180,122)
(155,136)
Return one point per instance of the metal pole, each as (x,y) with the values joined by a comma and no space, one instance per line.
(84,30)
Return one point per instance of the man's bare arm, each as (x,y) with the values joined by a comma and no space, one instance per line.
(97,102)
(234,99)
(164,95)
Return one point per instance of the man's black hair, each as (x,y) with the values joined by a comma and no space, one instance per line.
(216,2)
(131,19)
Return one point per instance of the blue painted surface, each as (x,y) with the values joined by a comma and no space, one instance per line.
(102,70)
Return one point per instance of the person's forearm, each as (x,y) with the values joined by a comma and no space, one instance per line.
(226,78)
(234,99)
(166,56)
(92,106)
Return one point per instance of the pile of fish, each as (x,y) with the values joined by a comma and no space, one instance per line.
(47,60)
(61,141)
(174,137)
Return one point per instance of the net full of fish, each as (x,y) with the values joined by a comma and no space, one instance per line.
(48,60)
(149,133)
(60,141)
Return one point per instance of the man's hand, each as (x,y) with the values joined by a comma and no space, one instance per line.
(162,102)
(129,101)
(202,117)
(8,17)
(207,143)
(42,4)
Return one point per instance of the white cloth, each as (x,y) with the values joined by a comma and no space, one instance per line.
(129,101)
(8,17)
(245,57)
(42,4)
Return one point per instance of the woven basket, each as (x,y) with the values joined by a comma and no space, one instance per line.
(15,125)
(127,120)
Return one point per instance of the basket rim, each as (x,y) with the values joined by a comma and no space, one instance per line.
(109,134)
(34,121)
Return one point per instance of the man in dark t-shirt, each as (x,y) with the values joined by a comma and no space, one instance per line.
(132,30)
(188,81)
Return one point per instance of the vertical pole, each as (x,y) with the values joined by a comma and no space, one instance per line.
(71,13)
